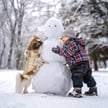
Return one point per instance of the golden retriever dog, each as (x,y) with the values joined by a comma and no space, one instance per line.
(32,65)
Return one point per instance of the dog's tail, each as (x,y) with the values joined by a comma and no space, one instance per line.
(19,86)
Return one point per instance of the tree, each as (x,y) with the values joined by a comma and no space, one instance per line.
(91,18)
(14,11)
(19,20)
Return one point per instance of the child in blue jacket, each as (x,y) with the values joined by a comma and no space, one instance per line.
(74,52)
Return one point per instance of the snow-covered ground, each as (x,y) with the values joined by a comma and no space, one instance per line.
(9,99)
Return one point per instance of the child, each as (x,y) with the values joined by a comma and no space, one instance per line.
(75,54)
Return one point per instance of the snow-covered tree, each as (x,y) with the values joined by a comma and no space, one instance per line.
(90,18)
(19,20)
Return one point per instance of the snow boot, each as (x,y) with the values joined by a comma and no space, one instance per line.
(91,92)
(77,92)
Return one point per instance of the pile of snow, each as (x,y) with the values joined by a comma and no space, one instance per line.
(56,80)
(47,53)
(54,70)
(53,28)
(9,99)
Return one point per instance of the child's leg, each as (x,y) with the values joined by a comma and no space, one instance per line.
(77,74)
(77,81)
(88,78)
(77,78)
(90,81)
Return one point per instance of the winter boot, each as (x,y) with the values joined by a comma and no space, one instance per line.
(91,92)
(76,93)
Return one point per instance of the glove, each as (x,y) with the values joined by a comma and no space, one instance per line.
(56,50)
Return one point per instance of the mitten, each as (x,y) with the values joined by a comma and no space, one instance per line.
(56,49)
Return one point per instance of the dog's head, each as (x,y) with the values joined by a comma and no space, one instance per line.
(35,44)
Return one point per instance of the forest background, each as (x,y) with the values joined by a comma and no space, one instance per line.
(20,20)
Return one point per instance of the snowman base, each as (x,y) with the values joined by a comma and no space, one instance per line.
(53,80)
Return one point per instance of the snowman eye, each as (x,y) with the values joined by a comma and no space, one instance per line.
(49,26)
(55,25)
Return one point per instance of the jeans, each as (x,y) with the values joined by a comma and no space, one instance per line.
(82,72)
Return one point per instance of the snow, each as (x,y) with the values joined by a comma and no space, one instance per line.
(9,99)
(57,79)
(53,28)
(47,53)
(52,82)
(54,67)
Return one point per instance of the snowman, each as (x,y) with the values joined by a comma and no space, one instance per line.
(53,77)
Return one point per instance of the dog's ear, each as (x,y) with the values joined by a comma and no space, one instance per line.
(37,44)
(40,43)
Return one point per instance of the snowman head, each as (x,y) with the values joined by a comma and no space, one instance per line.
(53,28)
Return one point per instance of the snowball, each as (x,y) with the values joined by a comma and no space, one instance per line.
(47,53)
(53,28)
(52,78)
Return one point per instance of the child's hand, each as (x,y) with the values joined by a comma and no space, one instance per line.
(56,49)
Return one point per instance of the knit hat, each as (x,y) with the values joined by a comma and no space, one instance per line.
(69,32)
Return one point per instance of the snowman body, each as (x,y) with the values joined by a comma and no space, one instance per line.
(53,77)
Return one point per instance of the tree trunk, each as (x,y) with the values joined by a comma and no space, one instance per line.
(95,65)
(11,50)
(2,53)
(20,22)
(18,60)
